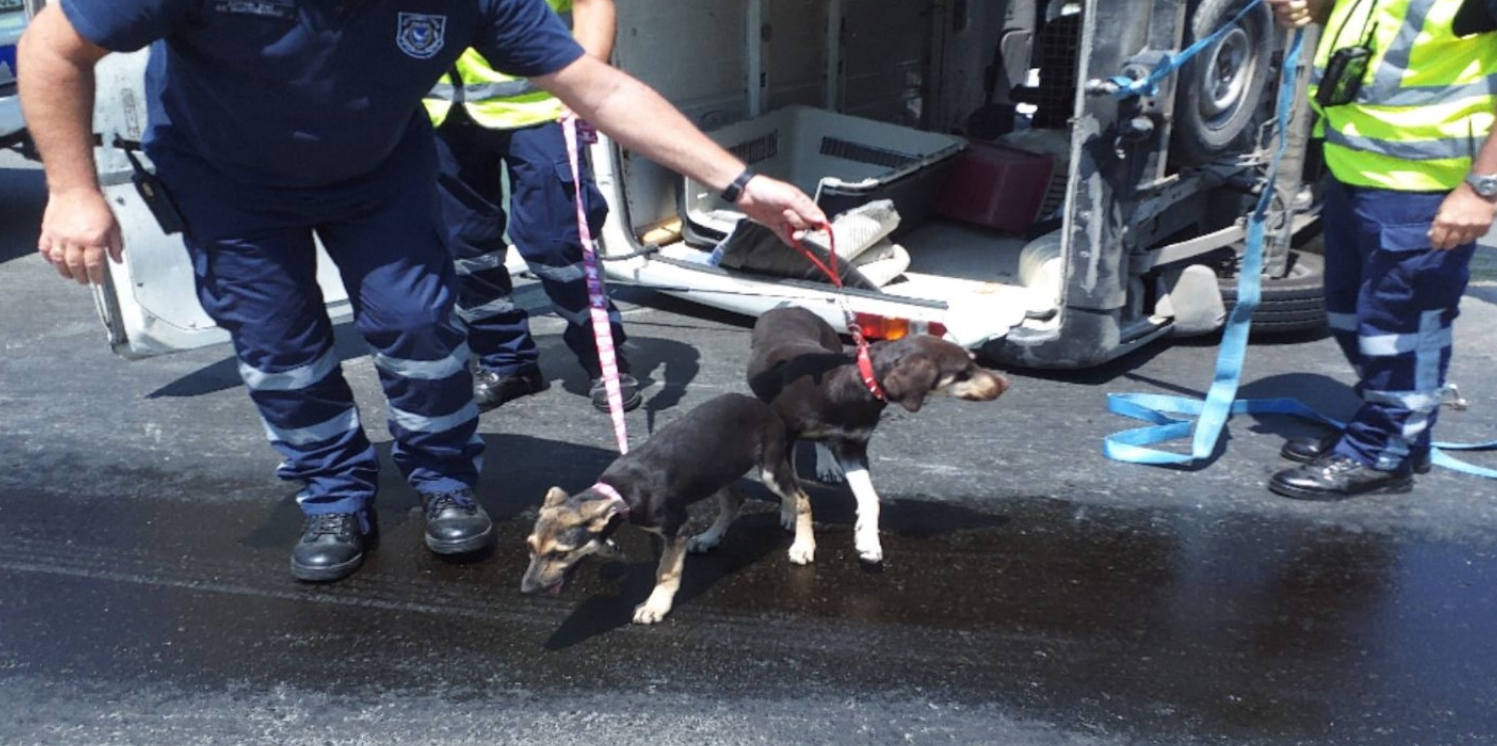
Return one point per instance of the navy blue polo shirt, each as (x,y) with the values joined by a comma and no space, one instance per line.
(306,93)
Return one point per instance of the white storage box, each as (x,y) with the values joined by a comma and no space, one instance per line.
(840,160)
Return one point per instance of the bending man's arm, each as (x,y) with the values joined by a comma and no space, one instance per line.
(57,99)
(642,120)
(594,24)
(1297,13)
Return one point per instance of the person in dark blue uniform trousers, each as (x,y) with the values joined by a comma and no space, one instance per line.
(487,121)
(1407,139)
(276,122)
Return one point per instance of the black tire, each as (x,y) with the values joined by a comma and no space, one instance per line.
(1221,89)
(1292,304)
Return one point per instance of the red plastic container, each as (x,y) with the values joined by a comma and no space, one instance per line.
(996,186)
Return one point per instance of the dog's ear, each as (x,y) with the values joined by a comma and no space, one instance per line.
(911,378)
(554,497)
(597,513)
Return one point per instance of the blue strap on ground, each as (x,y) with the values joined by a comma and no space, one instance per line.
(1221,402)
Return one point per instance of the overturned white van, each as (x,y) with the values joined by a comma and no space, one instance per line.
(1042,220)
(1033,215)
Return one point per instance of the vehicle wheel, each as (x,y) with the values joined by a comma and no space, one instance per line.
(1290,304)
(1221,88)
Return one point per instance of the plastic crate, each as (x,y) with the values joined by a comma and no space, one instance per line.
(996,186)
(841,160)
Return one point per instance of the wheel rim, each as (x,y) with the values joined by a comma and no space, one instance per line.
(1228,70)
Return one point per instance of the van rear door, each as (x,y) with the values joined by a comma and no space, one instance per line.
(12,23)
(149,305)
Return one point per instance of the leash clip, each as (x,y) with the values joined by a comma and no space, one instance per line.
(1452,398)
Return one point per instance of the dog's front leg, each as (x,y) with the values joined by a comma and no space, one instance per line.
(795,510)
(865,531)
(803,548)
(729,502)
(667,582)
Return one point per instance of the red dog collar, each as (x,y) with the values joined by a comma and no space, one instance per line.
(865,367)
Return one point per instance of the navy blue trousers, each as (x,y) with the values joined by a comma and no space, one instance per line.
(254,258)
(542,222)
(1391,301)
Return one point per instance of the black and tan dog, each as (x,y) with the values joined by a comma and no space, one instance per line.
(701,454)
(825,394)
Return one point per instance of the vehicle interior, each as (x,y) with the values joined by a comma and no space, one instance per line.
(964,117)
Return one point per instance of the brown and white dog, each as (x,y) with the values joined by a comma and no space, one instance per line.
(824,394)
(702,453)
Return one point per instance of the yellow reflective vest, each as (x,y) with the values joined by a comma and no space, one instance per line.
(1426,103)
(491,98)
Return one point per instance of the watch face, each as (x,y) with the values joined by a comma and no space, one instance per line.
(1485,186)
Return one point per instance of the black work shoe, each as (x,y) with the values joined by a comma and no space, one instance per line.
(491,389)
(628,390)
(331,547)
(1337,477)
(1308,448)
(456,523)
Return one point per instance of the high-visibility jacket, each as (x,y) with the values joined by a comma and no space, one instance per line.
(491,98)
(1426,103)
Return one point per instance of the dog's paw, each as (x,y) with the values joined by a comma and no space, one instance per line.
(867,543)
(703,542)
(787,519)
(651,611)
(802,553)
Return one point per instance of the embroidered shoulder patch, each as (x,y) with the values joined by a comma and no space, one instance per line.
(420,35)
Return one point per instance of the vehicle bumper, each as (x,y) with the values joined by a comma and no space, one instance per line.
(10,112)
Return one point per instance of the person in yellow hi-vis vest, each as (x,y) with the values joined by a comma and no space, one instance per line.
(487,121)
(1405,97)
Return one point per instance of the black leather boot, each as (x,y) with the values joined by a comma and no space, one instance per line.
(491,389)
(1307,448)
(331,547)
(1337,477)
(456,523)
(628,391)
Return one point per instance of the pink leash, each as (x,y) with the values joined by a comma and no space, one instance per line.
(597,297)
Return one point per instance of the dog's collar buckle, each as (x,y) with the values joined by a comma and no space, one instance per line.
(865,368)
(609,492)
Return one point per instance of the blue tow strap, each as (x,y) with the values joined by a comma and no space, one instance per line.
(1148,86)
(1221,400)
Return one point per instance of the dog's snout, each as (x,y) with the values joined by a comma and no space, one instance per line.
(536,579)
(983,385)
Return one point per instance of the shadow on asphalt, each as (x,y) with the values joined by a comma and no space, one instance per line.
(753,539)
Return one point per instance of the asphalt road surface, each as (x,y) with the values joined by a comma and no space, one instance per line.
(1034,591)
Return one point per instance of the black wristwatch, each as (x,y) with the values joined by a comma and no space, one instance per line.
(735,189)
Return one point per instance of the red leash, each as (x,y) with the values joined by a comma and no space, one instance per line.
(865,363)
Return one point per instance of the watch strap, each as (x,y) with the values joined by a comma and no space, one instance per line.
(735,189)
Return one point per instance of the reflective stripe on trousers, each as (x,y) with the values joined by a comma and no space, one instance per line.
(542,223)
(255,263)
(1391,301)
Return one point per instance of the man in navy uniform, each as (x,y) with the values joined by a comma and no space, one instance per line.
(276,121)
(488,122)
